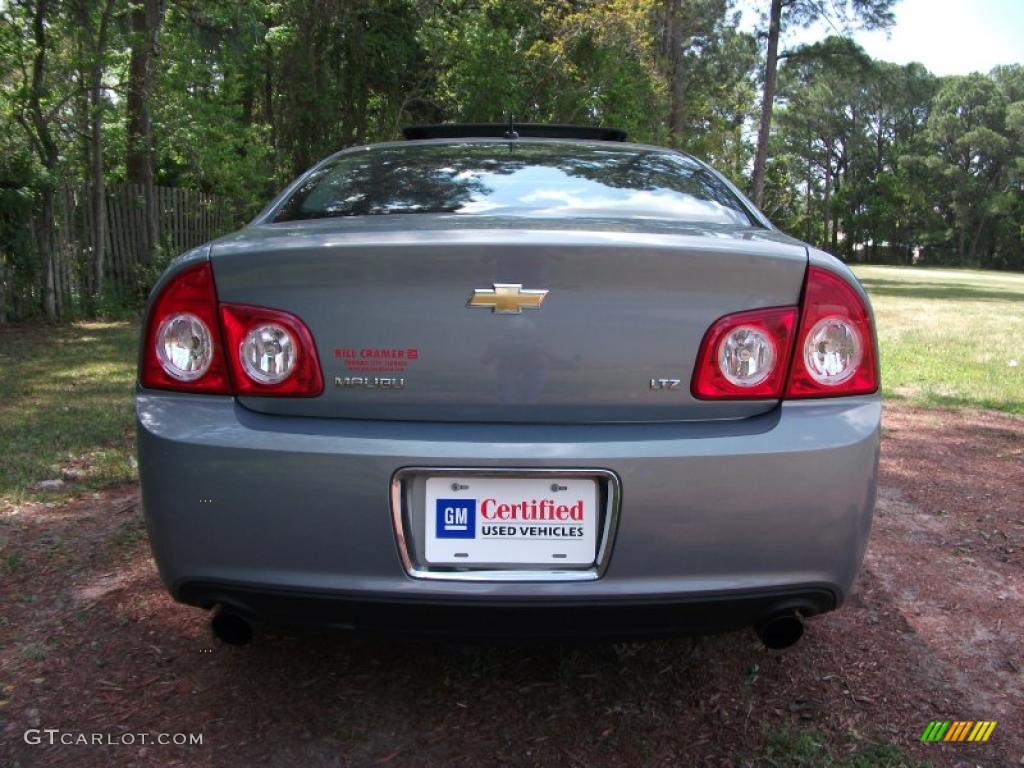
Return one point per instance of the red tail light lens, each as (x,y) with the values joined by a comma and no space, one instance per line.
(182,347)
(194,344)
(835,351)
(750,355)
(745,355)
(270,352)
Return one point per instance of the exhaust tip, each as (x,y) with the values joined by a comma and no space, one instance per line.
(780,631)
(230,628)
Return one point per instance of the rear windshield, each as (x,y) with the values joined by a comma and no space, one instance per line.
(520,179)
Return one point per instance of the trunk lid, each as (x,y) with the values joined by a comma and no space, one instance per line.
(386,301)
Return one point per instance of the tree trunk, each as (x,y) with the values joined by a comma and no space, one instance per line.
(833,246)
(49,157)
(146,19)
(97,182)
(808,208)
(3,292)
(673,39)
(975,239)
(771,66)
(827,204)
(268,92)
(80,215)
(98,196)
(961,249)
(361,117)
(268,81)
(808,213)
(44,243)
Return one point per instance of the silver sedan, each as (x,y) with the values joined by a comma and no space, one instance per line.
(492,382)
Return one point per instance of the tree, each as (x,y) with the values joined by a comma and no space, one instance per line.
(209,114)
(709,67)
(353,60)
(845,125)
(27,27)
(146,19)
(94,25)
(975,157)
(868,14)
(688,25)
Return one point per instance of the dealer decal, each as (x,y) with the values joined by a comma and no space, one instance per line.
(376,359)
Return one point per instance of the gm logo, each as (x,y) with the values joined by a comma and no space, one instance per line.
(456,518)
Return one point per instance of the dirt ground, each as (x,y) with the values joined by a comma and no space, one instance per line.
(89,642)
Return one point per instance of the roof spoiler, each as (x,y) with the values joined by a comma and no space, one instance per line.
(501,131)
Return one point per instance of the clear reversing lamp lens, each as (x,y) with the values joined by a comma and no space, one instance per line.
(184,346)
(268,354)
(832,351)
(746,356)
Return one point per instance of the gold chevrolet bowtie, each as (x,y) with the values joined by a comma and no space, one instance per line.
(507,298)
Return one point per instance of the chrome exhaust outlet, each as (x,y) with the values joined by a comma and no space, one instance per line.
(230,628)
(780,631)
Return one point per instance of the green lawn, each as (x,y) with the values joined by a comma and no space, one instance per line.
(950,337)
(66,406)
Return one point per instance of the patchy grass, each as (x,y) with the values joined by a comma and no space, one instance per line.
(950,337)
(66,406)
(807,748)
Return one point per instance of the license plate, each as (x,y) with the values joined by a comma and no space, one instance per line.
(497,521)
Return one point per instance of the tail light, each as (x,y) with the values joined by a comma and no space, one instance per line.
(835,352)
(194,344)
(757,354)
(746,355)
(182,347)
(270,352)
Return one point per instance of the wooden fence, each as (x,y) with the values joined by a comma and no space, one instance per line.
(186,218)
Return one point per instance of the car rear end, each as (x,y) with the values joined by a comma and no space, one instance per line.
(528,405)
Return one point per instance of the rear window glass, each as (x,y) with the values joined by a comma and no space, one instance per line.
(520,179)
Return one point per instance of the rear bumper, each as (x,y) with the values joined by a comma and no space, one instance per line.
(607,619)
(263,512)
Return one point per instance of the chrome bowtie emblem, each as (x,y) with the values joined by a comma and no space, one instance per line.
(507,298)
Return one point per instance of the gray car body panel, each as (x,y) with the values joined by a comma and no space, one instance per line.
(716,498)
(624,307)
(779,499)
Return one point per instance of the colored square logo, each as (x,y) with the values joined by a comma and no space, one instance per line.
(456,518)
